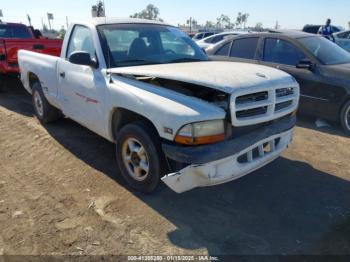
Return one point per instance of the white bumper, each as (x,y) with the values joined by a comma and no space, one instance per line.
(230,168)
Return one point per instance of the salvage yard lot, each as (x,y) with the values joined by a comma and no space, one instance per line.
(59,194)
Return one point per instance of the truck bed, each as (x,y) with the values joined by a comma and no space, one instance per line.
(42,65)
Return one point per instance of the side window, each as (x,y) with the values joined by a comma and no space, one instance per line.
(281,52)
(244,48)
(210,40)
(81,40)
(223,51)
(207,35)
(218,38)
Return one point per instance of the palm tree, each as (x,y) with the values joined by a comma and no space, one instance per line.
(239,20)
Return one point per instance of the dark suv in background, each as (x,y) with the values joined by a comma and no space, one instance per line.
(321,67)
(313,29)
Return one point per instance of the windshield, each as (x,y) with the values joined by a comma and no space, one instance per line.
(141,44)
(327,52)
(14,31)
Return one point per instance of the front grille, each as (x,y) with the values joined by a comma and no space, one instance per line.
(252,112)
(281,92)
(283,105)
(250,108)
(255,97)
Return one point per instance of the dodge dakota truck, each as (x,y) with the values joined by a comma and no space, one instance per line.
(173,115)
(14,37)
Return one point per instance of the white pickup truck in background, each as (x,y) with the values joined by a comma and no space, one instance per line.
(172,114)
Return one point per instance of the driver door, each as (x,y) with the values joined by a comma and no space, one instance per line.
(81,87)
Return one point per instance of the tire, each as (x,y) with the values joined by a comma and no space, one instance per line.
(345,118)
(45,112)
(142,169)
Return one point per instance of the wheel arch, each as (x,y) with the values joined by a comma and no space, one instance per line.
(32,79)
(120,117)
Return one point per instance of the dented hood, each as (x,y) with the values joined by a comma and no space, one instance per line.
(220,75)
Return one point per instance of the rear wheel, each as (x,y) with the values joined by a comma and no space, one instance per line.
(345,118)
(139,156)
(45,112)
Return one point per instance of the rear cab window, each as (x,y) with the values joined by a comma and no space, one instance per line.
(15,31)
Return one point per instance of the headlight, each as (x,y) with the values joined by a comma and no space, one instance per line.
(200,133)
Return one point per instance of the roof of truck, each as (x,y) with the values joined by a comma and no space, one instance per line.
(112,20)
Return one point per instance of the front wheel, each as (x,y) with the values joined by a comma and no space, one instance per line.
(345,118)
(139,156)
(45,112)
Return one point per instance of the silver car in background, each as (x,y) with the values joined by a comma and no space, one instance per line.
(214,39)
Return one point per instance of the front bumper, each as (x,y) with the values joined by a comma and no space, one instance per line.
(220,163)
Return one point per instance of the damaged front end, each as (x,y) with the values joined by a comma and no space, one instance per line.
(213,96)
(229,160)
(257,128)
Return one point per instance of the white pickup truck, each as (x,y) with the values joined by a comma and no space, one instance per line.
(173,115)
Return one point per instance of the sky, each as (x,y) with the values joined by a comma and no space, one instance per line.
(292,14)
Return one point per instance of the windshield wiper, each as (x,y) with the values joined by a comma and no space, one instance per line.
(188,59)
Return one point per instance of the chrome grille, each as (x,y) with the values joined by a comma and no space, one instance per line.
(255,97)
(266,104)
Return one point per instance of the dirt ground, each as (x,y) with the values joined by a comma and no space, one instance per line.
(60,193)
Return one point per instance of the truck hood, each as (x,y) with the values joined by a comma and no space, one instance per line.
(219,75)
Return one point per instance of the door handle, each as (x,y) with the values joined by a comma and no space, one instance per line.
(38,46)
(63,74)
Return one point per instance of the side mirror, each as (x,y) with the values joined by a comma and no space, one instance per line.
(305,64)
(82,58)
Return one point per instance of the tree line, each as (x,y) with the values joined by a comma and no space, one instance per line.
(152,12)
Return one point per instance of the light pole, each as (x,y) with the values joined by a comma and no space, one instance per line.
(29,20)
(189,21)
(104,7)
